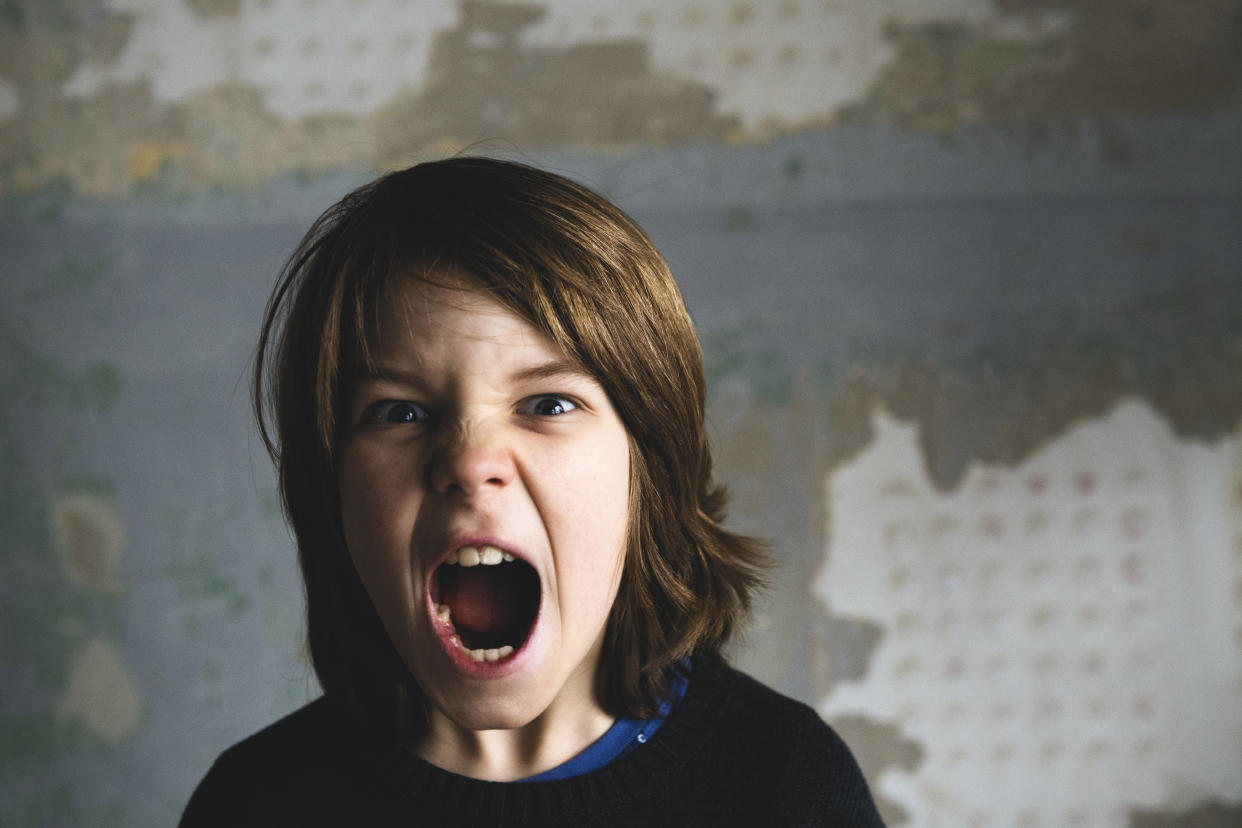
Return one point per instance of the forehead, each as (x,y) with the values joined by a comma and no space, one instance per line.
(439,316)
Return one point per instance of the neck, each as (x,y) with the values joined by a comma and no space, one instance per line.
(554,737)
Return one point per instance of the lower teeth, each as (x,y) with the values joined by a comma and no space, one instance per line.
(490,654)
(482,654)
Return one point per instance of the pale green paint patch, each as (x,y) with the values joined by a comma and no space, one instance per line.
(269,504)
(45,381)
(740,220)
(32,740)
(196,574)
(214,8)
(197,578)
(71,274)
(793,167)
(731,352)
(87,484)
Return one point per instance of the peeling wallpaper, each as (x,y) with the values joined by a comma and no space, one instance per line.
(1037,618)
(969,283)
(116,97)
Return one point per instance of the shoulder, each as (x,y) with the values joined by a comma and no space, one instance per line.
(752,693)
(786,747)
(270,774)
(301,737)
(759,715)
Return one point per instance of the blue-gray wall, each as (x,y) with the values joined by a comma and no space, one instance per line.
(996,222)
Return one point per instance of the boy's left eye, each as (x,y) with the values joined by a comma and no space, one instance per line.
(547,405)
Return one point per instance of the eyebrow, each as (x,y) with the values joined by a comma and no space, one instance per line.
(552,369)
(381,373)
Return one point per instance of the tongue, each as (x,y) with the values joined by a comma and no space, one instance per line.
(481,601)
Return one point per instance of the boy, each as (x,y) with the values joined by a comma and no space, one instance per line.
(488,411)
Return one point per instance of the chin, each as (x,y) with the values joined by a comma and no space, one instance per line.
(505,713)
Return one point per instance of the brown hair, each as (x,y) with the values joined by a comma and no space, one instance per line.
(575,267)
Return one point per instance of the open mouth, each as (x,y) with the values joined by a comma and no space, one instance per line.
(489,597)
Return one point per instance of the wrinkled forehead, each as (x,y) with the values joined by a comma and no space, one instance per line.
(419,297)
(426,308)
(452,312)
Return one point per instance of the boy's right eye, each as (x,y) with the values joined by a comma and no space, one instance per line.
(397,412)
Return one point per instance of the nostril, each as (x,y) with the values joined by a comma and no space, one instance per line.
(454,487)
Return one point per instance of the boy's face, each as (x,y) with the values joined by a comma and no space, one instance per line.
(479,442)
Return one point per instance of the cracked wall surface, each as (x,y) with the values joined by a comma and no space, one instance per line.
(969,284)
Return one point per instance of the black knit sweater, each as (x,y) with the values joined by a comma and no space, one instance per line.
(733,752)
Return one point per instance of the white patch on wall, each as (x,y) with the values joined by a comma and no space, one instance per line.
(1063,638)
(770,61)
(1032,26)
(100,693)
(89,538)
(350,58)
(307,57)
(8,99)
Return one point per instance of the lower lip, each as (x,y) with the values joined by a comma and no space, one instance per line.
(480,669)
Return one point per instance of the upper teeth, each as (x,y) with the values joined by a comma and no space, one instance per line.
(475,555)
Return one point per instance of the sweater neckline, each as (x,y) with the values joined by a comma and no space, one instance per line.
(401,774)
(627,734)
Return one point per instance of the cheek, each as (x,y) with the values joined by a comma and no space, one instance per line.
(592,549)
(372,511)
(357,498)
(374,516)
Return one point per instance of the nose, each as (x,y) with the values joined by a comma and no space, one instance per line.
(471,460)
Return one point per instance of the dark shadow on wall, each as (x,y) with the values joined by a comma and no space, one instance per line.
(1211,815)
(484,84)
